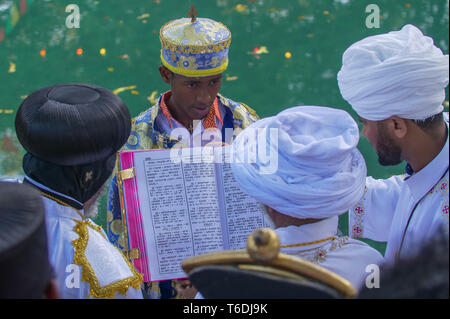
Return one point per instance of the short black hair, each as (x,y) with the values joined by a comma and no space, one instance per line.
(430,122)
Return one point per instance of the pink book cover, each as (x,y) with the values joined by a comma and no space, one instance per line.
(135,232)
(133,216)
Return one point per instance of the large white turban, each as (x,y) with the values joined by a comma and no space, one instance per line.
(399,73)
(320,171)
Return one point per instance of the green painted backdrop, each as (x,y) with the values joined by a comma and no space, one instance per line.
(314,32)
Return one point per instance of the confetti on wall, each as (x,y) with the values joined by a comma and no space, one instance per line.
(153,98)
(124,88)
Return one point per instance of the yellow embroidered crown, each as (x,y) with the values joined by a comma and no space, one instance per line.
(195,47)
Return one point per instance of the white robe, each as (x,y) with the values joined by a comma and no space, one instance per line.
(344,256)
(107,262)
(384,210)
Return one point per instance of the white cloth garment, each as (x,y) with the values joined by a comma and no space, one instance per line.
(346,257)
(320,171)
(106,261)
(399,73)
(383,212)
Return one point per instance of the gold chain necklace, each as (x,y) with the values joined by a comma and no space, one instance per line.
(309,243)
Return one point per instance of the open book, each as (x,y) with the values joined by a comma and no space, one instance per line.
(181,203)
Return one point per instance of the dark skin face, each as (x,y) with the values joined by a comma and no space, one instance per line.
(191,96)
(190,100)
(380,136)
(396,139)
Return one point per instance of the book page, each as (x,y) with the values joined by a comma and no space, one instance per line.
(242,213)
(201,193)
(179,210)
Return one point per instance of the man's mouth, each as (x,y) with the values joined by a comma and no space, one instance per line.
(201,107)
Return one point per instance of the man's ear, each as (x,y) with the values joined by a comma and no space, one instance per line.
(166,75)
(397,126)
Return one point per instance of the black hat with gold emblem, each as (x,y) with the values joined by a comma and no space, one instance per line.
(71,133)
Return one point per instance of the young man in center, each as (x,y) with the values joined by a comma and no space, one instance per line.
(194,54)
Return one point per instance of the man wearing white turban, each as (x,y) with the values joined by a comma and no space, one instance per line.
(320,175)
(396,83)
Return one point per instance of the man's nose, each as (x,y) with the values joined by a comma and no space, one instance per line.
(203,97)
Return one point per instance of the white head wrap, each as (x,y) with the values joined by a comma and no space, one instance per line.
(398,73)
(320,171)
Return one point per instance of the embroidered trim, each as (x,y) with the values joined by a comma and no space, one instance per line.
(338,242)
(192,48)
(88,274)
(443,188)
(194,73)
(319,255)
(445,208)
(358,212)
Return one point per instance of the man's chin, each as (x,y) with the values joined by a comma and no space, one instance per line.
(388,162)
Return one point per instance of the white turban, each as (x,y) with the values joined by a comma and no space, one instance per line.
(398,73)
(320,171)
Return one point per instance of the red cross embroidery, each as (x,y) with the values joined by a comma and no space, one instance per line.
(358,210)
(443,186)
(445,209)
(357,229)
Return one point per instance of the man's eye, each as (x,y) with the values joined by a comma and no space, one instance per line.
(191,85)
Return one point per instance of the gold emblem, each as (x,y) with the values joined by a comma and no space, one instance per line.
(88,176)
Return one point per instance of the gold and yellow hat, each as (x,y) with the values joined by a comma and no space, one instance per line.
(195,47)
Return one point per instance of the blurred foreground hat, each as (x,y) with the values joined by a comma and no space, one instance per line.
(195,47)
(73,124)
(262,272)
(25,271)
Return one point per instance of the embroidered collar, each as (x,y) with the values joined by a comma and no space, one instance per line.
(44,189)
(208,122)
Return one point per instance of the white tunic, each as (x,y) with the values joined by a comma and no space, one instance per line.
(100,268)
(344,256)
(387,205)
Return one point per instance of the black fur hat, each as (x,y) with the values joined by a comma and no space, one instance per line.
(72,124)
